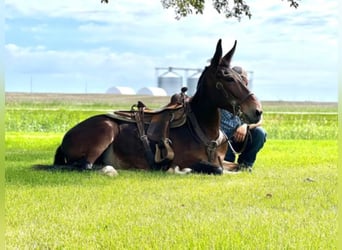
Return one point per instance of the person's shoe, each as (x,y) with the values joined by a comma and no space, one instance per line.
(230,166)
(244,168)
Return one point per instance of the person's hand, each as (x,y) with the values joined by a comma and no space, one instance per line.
(240,133)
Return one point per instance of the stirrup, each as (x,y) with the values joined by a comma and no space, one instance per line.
(164,152)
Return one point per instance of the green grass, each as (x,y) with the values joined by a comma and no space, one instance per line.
(278,125)
(318,121)
(288,202)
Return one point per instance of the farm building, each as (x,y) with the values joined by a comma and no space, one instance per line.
(121,90)
(154,91)
(170,81)
(192,83)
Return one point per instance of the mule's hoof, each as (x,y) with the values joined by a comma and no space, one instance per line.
(109,170)
(183,171)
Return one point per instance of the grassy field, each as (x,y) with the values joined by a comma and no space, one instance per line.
(288,202)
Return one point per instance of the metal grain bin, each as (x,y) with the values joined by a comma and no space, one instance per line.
(192,83)
(170,81)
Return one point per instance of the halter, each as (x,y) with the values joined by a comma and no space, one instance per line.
(236,105)
(237,78)
(244,145)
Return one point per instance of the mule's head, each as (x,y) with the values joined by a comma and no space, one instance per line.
(227,89)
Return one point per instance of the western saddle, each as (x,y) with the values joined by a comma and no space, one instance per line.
(157,123)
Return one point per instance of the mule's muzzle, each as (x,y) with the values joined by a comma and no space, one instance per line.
(258,114)
(254,116)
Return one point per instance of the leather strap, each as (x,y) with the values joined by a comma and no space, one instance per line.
(211,145)
(139,117)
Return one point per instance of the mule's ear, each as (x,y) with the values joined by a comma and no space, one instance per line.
(218,54)
(228,57)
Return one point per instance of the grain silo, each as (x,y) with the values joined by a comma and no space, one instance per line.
(116,90)
(171,82)
(152,91)
(192,82)
(250,79)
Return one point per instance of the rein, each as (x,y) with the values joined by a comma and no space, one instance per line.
(238,152)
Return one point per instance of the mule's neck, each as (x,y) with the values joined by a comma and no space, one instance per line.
(207,115)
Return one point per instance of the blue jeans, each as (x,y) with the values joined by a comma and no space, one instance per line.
(254,144)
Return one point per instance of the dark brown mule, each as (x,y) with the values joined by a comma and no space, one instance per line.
(198,144)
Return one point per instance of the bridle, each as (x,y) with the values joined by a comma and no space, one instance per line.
(234,103)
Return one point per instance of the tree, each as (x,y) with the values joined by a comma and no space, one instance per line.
(236,9)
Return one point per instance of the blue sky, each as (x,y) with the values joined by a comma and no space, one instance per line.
(84,46)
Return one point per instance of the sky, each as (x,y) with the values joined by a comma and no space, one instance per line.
(83,46)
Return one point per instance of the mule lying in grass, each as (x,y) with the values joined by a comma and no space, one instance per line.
(196,143)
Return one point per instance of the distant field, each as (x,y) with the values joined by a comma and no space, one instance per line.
(39,112)
(110,100)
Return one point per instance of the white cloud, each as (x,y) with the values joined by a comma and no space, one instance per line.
(125,40)
(99,67)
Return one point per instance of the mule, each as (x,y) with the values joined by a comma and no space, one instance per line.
(198,143)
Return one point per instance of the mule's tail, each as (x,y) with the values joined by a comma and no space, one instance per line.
(59,157)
